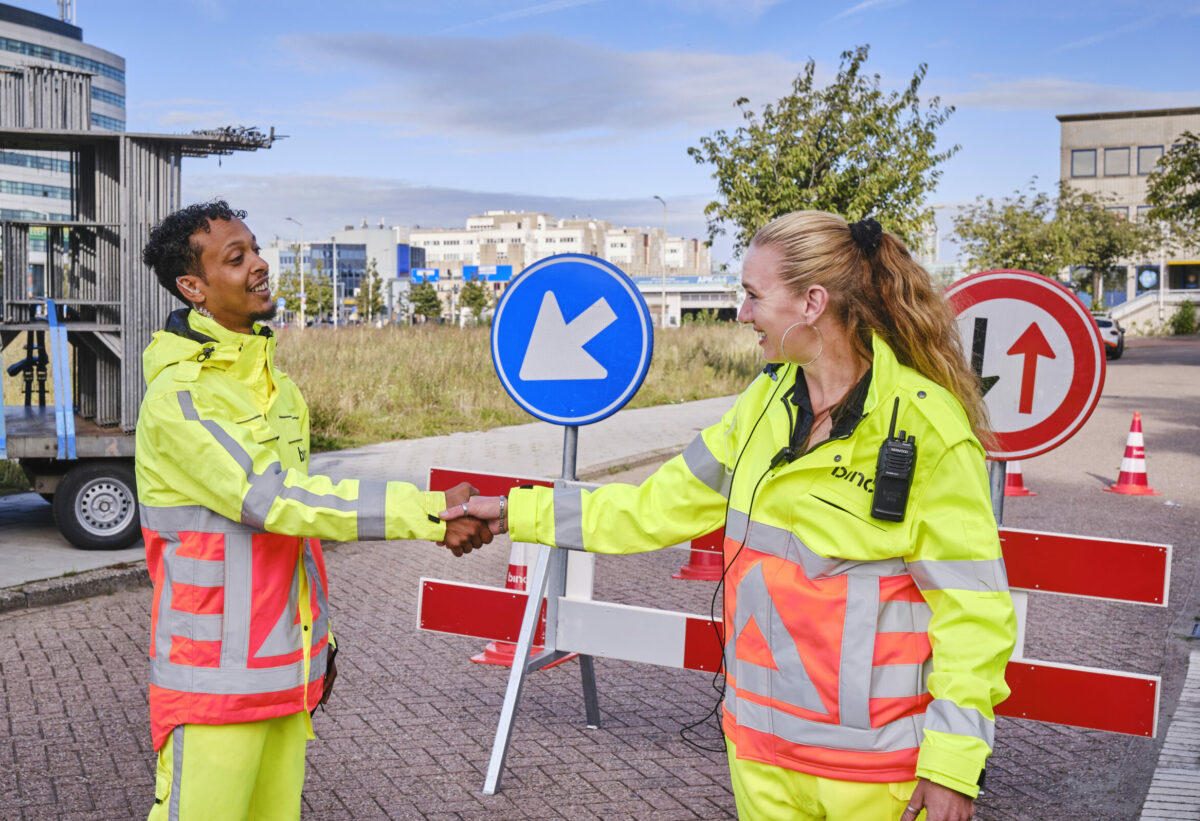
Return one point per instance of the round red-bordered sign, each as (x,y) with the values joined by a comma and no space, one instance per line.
(1037,351)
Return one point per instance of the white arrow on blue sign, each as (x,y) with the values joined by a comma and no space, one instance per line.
(572,339)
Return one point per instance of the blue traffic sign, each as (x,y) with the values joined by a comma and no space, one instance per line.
(572,339)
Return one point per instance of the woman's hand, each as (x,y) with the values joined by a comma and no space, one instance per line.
(479,507)
(940,803)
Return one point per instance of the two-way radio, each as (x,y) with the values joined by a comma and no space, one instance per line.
(894,472)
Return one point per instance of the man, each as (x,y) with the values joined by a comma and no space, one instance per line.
(240,646)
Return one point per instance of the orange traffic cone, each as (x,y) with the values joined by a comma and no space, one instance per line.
(1133,480)
(705,562)
(517,578)
(1014,483)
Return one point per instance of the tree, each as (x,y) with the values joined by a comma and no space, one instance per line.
(1018,232)
(1173,189)
(1096,238)
(1033,231)
(425,301)
(849,148)
(475,298)
(370,293)
(316,285)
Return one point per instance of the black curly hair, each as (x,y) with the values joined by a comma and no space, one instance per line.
(170,252)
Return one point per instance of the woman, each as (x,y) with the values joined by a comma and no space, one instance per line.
(866,610)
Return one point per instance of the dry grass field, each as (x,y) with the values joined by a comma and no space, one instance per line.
(366,385)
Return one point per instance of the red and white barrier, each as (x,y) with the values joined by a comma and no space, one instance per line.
(1109,700)
(1133,480)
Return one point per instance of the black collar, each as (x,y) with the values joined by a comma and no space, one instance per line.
(845,417)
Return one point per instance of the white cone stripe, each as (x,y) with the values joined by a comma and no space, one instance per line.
(1133,465)
(1135,438)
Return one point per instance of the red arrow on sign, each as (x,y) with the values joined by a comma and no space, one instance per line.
(1031,345)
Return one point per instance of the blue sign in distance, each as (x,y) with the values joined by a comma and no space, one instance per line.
(572,339)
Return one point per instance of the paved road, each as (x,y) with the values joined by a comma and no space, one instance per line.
(409,732)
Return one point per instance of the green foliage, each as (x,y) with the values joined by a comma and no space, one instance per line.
(12,478)
(1018,232)
(475,298)
(1183,320)
(703,317)
(849,148)
(1173,190)
(1033,231)
(370,293)
(425,301)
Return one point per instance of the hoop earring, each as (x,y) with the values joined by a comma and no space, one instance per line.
(820,349)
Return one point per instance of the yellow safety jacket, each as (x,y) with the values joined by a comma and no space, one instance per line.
(858,649)
(232,520)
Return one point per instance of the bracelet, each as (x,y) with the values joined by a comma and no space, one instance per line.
(503,517)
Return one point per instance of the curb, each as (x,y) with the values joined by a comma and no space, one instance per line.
(131,575)
(102,581)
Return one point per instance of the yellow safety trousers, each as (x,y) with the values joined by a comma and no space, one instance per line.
(767,793)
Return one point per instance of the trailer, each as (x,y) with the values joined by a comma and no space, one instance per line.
(83,324)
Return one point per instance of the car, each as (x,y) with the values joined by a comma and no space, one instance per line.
(1113,335)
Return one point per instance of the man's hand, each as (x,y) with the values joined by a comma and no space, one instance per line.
(940,803)
(460,493)
(330,676)
(479,507)
(465,534)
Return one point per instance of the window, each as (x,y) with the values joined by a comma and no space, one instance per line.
(1148,157)
(1143,213)
(1083,162)
(1116,162)
(107,122)
(64,57)
(1121,211)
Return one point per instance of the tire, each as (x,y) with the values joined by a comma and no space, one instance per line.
(1114,354)
(95,505)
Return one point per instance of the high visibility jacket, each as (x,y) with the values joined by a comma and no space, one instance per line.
(231,521)
(857,649)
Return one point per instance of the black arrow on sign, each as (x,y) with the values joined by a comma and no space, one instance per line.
(977,344)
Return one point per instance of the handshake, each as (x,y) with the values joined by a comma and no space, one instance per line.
(471,519)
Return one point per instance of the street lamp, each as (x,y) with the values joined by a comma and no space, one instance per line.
(663,254)
(336,307)
(300,265)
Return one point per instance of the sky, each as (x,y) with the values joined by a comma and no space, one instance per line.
(427,112)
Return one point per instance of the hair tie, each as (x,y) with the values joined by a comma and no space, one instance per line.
(867,234)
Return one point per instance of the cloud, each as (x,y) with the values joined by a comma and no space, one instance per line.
(863,6)
(522,13)
(325,203)
(535,86)
(1063,96)
(1092,40)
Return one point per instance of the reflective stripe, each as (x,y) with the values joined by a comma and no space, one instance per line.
(218,681)
(787,681)
(165,623)
(321,621)
(858,649)
(265,488)
(176,771)
(372,510)
(197,572)
(705,467)
(984,575)
(190,519)
(568,518)
(223,438)
(904,617)
(235,642)
(284,637)
(901,734)
(784,544)
(900,680)
(326,500)
(944,716)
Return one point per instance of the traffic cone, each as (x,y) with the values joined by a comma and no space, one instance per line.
(1133,480)
(517,578)
(1014,484)
(705,563)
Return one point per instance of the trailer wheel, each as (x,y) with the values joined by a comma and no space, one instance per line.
(95,506)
